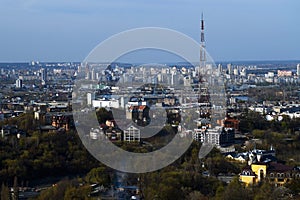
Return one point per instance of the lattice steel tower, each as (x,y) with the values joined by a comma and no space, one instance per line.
(202,44)
(203,98)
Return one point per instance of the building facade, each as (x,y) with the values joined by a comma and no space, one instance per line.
(132,134)
(264,169)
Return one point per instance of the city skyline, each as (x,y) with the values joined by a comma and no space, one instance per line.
(68,31)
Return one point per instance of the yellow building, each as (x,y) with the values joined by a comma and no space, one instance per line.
(277,173)
(248,176)
(260,169)
(253,173)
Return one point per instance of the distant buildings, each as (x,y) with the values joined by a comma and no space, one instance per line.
(275,110)
(62,120)
(104,103)
(250,156)
(8,130)
(90,98)
(113,134)
(284,73)
(229,69)
(96,133)
(110,132)
(130,134)
(231,123)
(139,114)
(219,136)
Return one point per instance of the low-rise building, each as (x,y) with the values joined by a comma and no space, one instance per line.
(96,133)
(218,135)
(132,134)
(113,134)
(262,168)
(106,103)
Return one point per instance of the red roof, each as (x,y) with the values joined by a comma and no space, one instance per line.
(141,108)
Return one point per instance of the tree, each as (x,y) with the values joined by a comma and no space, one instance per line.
(170,187)
(196,195)
(281,193)
(294,186)
(103,115)
(57,191)
(4,192)
(75,192)
(220,192)
(236,191)
(99,175)
(252,120)
(264,192)
(16,189)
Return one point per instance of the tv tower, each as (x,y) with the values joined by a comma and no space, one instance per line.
(203,99)
(203,96)
(202,45)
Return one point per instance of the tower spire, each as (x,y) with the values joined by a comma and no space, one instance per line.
(202,44)
(202,28)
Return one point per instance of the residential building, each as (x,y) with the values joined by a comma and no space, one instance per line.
(132,134)
(113,134)
(139,114)
(282,73)
(19,83)
(218,135)
(96,133)
(105,103)
(261,168)
(90,98)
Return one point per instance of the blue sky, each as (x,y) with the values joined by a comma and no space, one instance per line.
(67,30)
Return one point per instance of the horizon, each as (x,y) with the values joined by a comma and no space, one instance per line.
(167,62)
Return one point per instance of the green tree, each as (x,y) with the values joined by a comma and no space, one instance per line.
(170,187)
(252,120)
(99,175)
(220,192)
(264,192)
(77,193)
(57,191)
(236,191)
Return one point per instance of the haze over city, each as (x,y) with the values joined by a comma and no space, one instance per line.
(69,30)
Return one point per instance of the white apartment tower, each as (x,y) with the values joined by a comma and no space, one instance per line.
(19,83)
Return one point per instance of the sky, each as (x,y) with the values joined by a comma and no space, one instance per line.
(67,30)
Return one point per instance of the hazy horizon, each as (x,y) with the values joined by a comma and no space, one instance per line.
(65,30)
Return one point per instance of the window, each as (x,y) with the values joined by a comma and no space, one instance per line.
(261,174)
(288,175)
